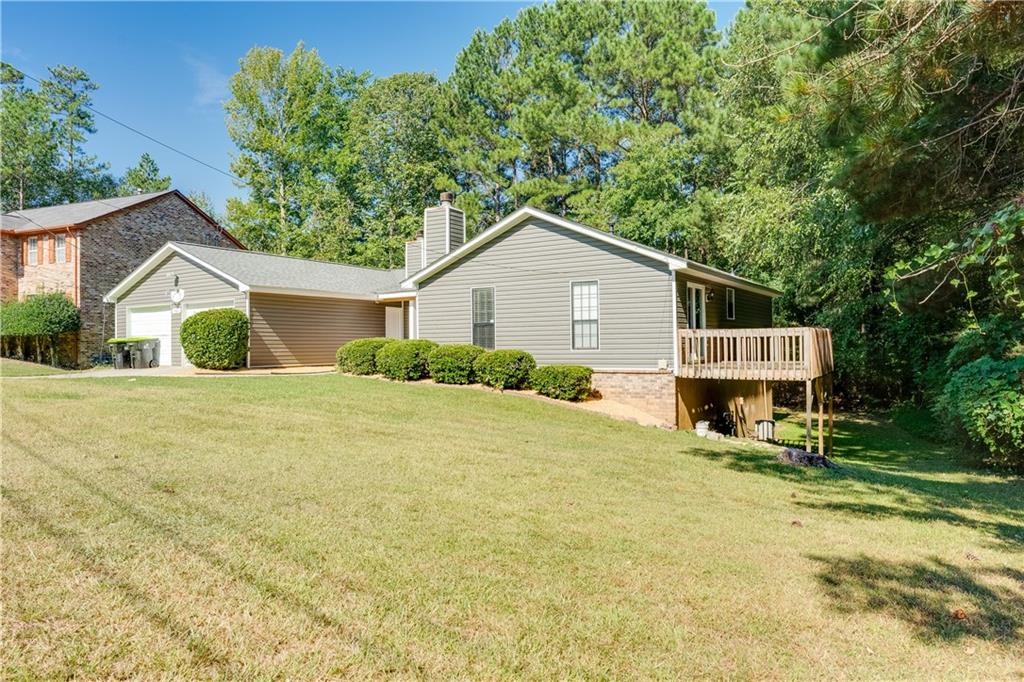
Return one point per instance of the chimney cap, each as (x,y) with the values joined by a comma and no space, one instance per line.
(447,197)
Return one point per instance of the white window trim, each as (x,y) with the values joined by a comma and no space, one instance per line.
(33,251)
(61,249)
(494,304)
(730,293)
(571,320)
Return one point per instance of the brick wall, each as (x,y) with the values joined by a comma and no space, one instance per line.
(654,392)
(10,259)
(48,274)
(114,246)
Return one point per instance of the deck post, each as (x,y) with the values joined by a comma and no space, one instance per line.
(820,392)
(831,417)
(809,400)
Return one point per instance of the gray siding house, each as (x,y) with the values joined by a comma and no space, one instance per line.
(678,339)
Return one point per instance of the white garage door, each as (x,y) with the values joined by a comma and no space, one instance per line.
(155,323)
(188,311)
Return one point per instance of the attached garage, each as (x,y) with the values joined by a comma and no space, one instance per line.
(300,311)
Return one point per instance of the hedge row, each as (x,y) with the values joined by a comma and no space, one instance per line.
(414,359)
(34,326)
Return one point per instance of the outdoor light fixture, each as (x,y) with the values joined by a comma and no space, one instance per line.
(711,295)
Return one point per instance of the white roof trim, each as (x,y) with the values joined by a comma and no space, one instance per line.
(397,295)
(519,216)
(526,212)
(728,279)
(316,293)
(150,264)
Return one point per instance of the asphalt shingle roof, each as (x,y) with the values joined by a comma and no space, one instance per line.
(265,270)
(70,214)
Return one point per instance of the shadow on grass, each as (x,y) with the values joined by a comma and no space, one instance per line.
(202,650)
(234,569)
(937,599)
(886,472)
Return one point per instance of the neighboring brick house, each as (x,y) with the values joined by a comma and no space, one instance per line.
(84,249)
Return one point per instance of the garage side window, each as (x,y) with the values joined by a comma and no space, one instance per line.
(585,316)
(61,248)
(33,250)
(483,317)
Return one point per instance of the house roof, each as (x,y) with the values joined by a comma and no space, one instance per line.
(674,262)
(76,215)
(270,273)
(64,215)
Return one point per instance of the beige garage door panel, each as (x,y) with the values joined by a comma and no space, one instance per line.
(299,330)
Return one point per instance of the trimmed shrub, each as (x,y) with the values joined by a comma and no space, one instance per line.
(453,364)
(405,360)
(360,356)
(216,339)
(40,319)
(983,403)
(504,368)
(564,382)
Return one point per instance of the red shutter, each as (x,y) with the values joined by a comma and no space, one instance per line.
(24,251)
(53,248)
(67,248)
(39,248)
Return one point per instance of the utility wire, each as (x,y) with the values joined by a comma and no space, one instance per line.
(148,137)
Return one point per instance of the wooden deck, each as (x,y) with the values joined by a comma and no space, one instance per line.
(772,354)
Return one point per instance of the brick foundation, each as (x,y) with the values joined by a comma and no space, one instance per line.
(652,391)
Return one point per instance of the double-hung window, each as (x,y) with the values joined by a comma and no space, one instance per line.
(730,304)
(62,246)
(483,317)
(585,316)
(33,250)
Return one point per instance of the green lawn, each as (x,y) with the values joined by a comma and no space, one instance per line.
(17,368)
(316,526)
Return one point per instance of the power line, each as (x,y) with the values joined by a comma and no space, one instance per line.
(148,137)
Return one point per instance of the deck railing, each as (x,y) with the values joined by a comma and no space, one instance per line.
(775,354)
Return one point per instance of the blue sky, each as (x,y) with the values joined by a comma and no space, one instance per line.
(163,67)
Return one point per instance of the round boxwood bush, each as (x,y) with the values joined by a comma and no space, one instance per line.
(564,382)
(216,339)
(453,364)
(405,360)
(360,356)
(504,368)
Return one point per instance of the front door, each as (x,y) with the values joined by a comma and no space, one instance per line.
(696,317)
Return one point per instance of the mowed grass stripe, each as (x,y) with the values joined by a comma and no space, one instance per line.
(317,526)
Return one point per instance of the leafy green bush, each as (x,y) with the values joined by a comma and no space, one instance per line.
(984,401)
(504,368)
(360,356)
(453,364)
(41,319)
(216,339)
(564,382)
(405,360)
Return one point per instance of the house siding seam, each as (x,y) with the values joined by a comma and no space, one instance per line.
(112,247)
(531,267)
(200,286)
